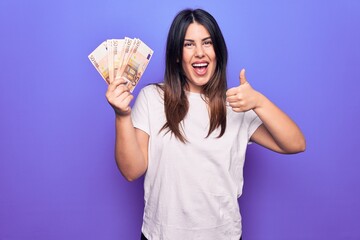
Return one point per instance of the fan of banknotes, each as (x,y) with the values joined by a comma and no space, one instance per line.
(121,58)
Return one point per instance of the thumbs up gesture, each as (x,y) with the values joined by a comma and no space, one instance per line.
(243,97)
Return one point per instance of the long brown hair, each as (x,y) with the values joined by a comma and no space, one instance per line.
(214,92)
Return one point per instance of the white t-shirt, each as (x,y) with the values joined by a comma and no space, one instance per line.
(191,189)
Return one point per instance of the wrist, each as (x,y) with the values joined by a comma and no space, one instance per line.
(261,100)
(121,115)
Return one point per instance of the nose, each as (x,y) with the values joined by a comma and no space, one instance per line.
(199,51)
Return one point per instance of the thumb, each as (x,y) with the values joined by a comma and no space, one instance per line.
(242,77)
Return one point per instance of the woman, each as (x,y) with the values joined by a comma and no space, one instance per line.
(190,133)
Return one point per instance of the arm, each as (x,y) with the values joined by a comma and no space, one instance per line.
(131,144)
(278,132)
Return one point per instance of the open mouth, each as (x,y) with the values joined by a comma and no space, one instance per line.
(200,68)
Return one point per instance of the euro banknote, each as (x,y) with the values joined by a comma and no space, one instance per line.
(122,58)
(99,58)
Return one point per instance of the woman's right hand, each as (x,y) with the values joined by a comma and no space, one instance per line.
(119,97)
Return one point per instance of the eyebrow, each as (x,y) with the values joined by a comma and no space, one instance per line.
(190,40)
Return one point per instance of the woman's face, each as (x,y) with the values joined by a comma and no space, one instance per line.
(199,59)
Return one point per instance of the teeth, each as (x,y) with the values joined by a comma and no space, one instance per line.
(200,65)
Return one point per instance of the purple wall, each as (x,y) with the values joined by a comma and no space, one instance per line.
(58,178)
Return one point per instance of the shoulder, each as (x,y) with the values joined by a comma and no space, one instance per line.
(151,93)
(245,117)
(152,89)
(251,115)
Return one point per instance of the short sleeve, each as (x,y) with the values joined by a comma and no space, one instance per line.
(253,122)
(140,112)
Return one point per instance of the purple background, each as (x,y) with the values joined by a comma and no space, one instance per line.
(58,178)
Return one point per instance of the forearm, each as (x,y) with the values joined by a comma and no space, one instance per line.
(129,154)
(283,130)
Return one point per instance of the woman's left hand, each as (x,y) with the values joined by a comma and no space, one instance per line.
(243,97)
(278,132)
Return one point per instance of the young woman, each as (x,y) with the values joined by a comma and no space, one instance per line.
(189,135)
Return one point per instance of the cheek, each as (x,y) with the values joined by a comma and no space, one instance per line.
(211,54)
(185,65)
(214,61)
(187,54)
(186,61)
(186,69)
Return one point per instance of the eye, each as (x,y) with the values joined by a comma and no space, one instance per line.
(207,43)
(188,44)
